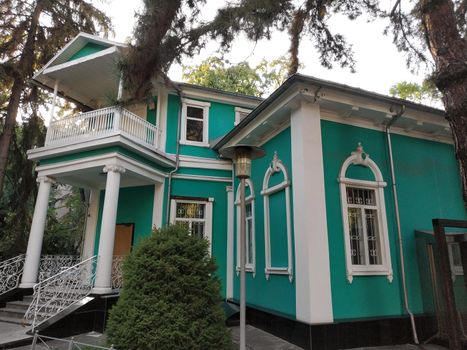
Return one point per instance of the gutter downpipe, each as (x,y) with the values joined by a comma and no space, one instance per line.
(398,223)
(177,155)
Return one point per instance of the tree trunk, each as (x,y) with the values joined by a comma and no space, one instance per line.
(23,71)
(449,51)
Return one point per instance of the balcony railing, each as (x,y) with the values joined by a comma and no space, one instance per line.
(102,122)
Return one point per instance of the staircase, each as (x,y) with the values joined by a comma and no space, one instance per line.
(14,311)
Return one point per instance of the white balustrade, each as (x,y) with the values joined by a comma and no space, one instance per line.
(102,122)
(11,271)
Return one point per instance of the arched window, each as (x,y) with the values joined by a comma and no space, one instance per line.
(250,252)
(364,217)
(277,233)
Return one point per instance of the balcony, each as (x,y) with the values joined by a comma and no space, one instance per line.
(100,123)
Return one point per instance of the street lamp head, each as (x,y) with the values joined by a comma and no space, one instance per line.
(242,155)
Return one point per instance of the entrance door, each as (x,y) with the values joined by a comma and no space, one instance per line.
(123,239)
(122,247)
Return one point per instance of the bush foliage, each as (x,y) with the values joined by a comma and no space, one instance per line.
(170,298)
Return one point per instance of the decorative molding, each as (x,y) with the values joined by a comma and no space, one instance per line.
(114,168)
(202,177)
(250,199)
(275,167)
(45,179)
(361,158)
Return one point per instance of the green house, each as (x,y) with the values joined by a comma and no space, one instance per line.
(323,258)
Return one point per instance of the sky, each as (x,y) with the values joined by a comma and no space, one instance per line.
(378,63)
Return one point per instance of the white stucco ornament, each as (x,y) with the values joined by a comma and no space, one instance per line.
(360,156)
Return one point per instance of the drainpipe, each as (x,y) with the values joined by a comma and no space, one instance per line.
(398,222)
(177,155)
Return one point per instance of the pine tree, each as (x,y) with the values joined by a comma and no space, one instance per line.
(31,32)
(170,298)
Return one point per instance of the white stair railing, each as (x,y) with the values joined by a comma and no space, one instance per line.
(11,271)
(117,271)
(102,122)
(59,292)
(50,265)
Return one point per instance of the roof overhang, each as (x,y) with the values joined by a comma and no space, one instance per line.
(91,80)
(339,103)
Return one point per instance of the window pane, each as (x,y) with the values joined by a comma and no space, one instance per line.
(455,254)
(248,212)
(249,241)
(194,112)
(357,248)
(184,224)
(190,210)
(361,196)
(372,232)
(197,229)
(194,130)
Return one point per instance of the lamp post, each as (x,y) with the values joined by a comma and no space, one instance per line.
(242,155)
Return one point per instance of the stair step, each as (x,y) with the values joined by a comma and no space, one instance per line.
(9,312)
(20,305)
(15,320)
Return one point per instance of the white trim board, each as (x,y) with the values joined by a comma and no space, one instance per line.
(202,177)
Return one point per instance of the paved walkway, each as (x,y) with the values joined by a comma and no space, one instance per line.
(11,333)
(256,339)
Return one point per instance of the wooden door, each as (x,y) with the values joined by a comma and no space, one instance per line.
(123,239)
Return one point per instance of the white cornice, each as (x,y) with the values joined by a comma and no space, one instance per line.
(101,142)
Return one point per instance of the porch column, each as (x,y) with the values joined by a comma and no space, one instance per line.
(36,235)
(103,283)
(91,222)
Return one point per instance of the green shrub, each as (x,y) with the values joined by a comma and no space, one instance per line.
(170,298)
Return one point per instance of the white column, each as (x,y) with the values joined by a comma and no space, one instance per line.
(91,222)
(54,101)
(312,269)
(36,235)
(103,283)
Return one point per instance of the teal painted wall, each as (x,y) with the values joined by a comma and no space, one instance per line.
(216,190)
(135,205)
(221,121)
(423,194)
(276,294)
(86,50)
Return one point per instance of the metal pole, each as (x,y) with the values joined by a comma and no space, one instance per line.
(34,341)
(242,266)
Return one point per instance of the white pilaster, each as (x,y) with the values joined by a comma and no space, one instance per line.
(162,105)
(91,222)
(33,253)
(313,282)
(158,205)
(230,243)
(103,283)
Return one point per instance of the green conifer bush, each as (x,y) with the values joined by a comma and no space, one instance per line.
(171,296)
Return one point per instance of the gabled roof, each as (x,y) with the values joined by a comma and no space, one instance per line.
(349,93)
(74,46)
(86,70)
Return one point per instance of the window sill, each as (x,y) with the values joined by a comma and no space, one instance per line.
(194,143)
(370,271)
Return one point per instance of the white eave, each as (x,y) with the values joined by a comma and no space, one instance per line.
(91,80)
(348,106)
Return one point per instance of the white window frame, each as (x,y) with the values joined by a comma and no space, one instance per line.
(250,199)
(359,157)
(238,111)
(205,107)
(207,219)
(275,167)
(456,270)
